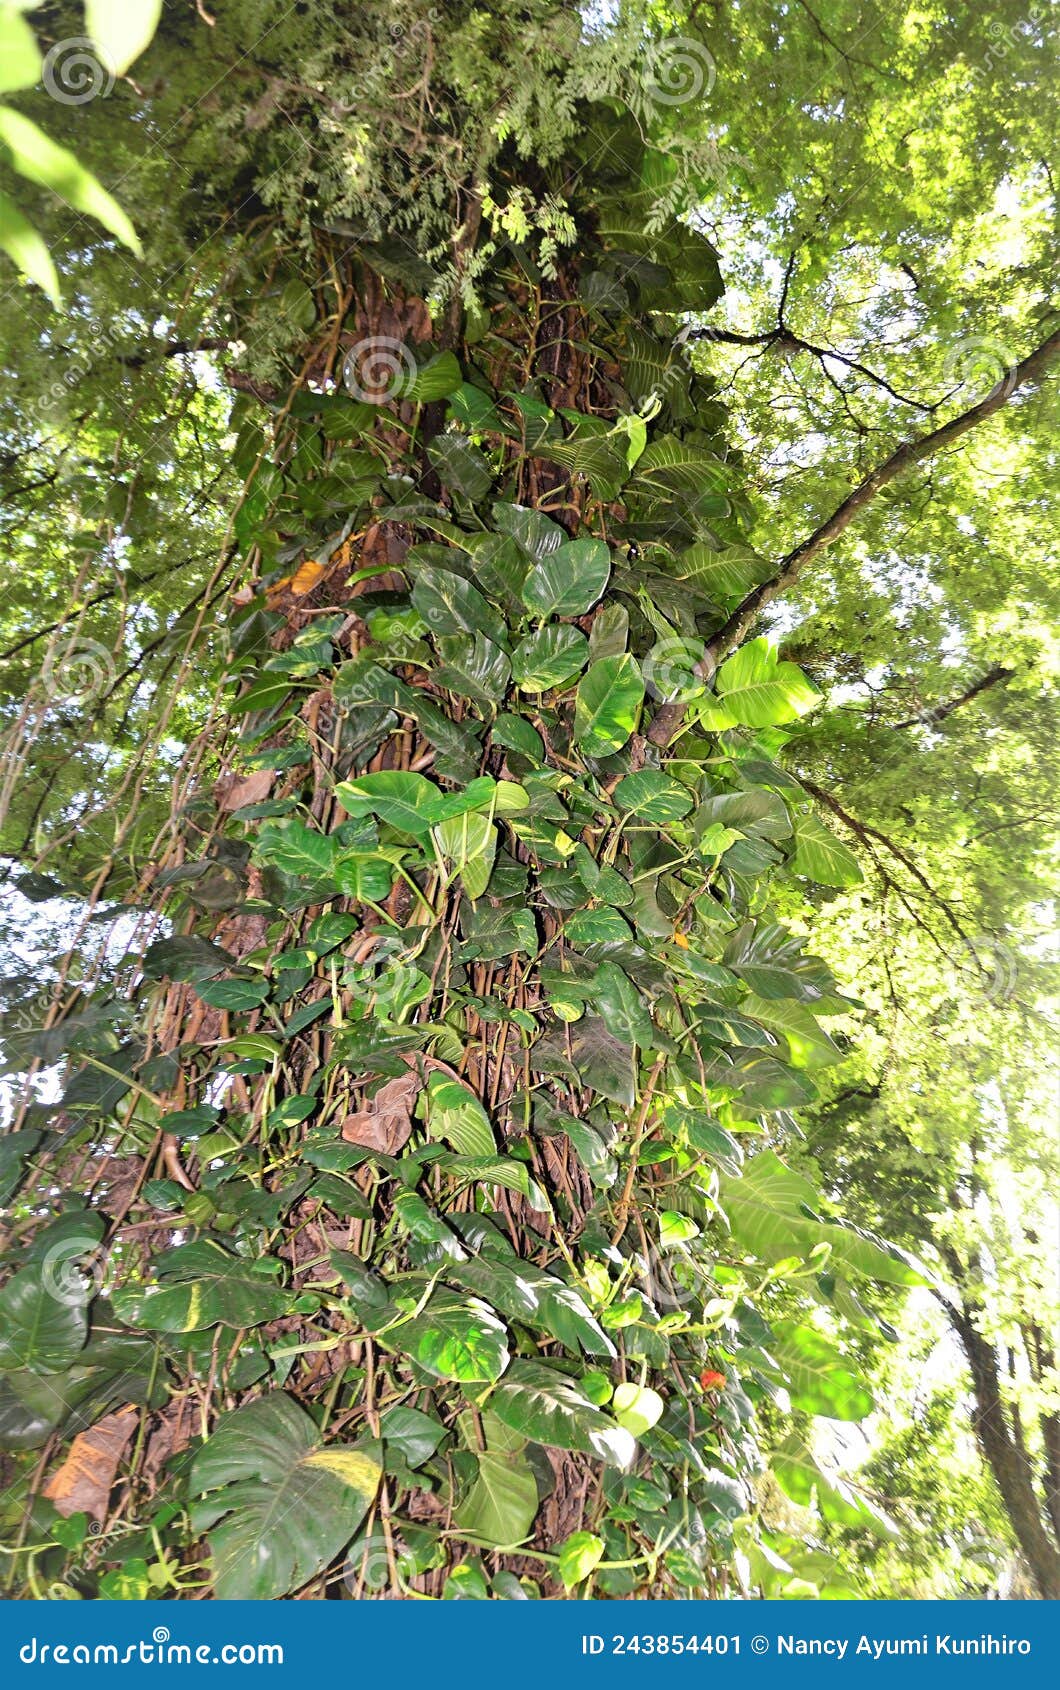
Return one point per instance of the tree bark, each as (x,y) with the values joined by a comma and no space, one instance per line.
(1006,1460)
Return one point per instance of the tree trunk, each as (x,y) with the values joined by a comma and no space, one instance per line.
(1007,1461)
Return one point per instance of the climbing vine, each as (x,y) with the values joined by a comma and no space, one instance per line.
(409,1213)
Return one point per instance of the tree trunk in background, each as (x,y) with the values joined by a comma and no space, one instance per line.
(1008,1462)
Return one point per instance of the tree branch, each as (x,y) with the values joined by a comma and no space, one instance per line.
(669,718)
(939,712)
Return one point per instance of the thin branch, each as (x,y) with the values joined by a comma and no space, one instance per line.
(939,712)
(669,718)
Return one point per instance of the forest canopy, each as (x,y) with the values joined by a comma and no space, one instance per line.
(527,828)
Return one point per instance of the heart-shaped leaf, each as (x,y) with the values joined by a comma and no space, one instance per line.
(284,1502)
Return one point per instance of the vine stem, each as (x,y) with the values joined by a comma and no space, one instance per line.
(634,1150)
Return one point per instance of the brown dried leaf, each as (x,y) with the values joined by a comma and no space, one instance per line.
(232,794)
(385,1123)
(82,1485)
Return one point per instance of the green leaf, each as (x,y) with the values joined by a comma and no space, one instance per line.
(186,957)
(473,666)
(283,1503)
(368,1292)
(809,1046)
(450,605)
(759,691)
(771,1212)
(547,1407)
(234,994)
(569,580)
(460,465)
(455,1114)
(637,1407)
(436,379)
(608,705)
(821,856)
(455,1338)
(20,60)
(579,1556)
(363,875)
(469,845)
(621,1006)
(728,574)
(499,1508)
(397,796)
(42,161)
(121,29)
(817,1380)
(295,849)
(801,1477)
(653,796)
(43,1323)
(20,240)
(536,533)
(549,657)
(199,1285)
(498,1170)
(412,1433)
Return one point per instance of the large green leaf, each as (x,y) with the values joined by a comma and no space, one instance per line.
(816,1377)
(406,800)
(568,581)
(295,849)
(43,161)
(200,1285)
(728,574)
(499,1508)
(20,60)
(549,656)
(653,796)
(451,605)
(455,1114)
(809,1046)
(521,1289)
(186,957)
(43,1323)
(469,845)
(771,1212)
(284,1502)
(20,240)
(608,704)
(802,1478)
(822,856)
(547,1407)
(455,1338)
(758,691)
(473,667)
(436,379)
(121,29)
